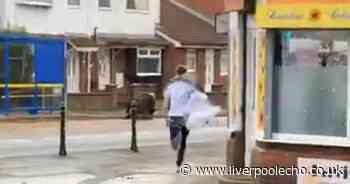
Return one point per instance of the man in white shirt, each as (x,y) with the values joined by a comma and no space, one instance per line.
(176,97)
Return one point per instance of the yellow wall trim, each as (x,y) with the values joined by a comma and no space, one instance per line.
(32,85)
(303,16)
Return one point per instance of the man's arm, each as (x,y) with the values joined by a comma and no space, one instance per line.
(166,103)
(166,106)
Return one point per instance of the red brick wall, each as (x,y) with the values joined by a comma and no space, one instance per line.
(217,65)
(220,79)
(172,58)
(213,7)
(200,72)
(175,56)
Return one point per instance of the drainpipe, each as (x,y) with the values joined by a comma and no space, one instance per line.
(244,79)
(94,36)
(235,153)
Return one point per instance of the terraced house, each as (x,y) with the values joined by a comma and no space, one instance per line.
(102,36)
(117,49)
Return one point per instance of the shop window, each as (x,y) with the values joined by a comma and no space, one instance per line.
(224,62)
(139,5)
(104,4)
(310,84)
(21,61)
(191,60)
(148,62)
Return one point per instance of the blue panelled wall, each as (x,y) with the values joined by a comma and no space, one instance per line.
(32,73)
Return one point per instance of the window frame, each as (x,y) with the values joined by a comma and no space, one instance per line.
(47,4)
(104,7)
(73,6)
(149,55)
(128,10)
(188,52)
(22,59)
(268,135)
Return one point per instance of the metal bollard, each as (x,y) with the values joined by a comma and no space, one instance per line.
(63,151)
(133,110)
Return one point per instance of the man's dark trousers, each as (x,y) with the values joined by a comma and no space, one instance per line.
(178,136)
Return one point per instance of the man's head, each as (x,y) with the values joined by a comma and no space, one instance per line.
(181,70)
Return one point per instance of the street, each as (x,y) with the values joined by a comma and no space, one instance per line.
(99,153)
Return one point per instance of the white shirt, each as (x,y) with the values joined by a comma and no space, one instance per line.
(178,93)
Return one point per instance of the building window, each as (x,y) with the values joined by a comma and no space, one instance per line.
(21,61)
(224,62)
(73,3)
(149,62)
(191,60)
(310,77)
(106,4)
(39,1)
(139,5)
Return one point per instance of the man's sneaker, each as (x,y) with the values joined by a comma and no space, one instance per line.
(178,170)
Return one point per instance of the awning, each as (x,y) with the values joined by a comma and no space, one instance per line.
(303,14)
(130,41)
(84,44)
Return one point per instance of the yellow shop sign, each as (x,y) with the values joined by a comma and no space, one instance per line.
(304,16)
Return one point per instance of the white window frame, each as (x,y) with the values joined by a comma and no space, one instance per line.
(226,51)
(103,7)
(303,139)
(39,3)
(188,54)
(73,6)
(148,55)
(128,10)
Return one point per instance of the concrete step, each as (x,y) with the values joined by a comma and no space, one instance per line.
(235,180)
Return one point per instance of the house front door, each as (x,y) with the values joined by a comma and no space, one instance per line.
(94,68)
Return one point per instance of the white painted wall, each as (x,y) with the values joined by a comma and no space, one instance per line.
(2,15)
(73,73)
(60,18)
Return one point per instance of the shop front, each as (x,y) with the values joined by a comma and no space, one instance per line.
(299,55)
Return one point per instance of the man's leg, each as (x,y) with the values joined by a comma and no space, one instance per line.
(181,153)
(175,134)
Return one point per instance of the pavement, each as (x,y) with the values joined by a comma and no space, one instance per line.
(78,115)
(99,153)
